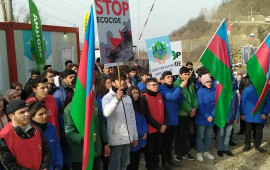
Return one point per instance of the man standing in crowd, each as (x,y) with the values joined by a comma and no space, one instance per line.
(47,68)
(22,146)
(40,89)
(28,86)
(68,63)
(157,120)
(186,112)
(172,99)
(139,68)
(50,76)
(121,124)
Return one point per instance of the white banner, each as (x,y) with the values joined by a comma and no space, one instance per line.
(177,56)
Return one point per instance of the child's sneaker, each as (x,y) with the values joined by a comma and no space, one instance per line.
(199,157)
(208,155)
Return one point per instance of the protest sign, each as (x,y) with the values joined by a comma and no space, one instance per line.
(114,31)
(160,55)
(176,48)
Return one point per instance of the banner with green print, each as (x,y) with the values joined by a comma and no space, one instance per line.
(177,56)
(37,40)
(162,57)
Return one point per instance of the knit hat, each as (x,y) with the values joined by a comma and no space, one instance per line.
(206,78)
(9,94)
(15,105)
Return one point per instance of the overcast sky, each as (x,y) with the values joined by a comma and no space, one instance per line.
(167,15)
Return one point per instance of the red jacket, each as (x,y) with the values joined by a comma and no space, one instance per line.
(156,108)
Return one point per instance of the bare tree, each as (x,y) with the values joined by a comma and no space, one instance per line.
(22,14)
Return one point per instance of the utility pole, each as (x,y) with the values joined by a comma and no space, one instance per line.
(4,12)
(9,11)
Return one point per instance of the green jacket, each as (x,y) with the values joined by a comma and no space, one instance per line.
(190,98)
(75,139)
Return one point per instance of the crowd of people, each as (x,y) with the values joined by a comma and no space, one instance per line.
(134,114)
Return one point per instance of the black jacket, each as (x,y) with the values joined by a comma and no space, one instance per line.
(8,161)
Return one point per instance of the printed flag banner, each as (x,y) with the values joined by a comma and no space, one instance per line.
(83,101)
(160,55)
(114,31)
(176,48)
(216,59)
(37,41)
(258,71)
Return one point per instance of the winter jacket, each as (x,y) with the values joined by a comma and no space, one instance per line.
(141,129)
(121,123)
(141,86)
(60,97)
(56,152)
(172,98)
(190,98)
(206,101)
(73,137)
(134,80)
(8,161)
(100,131)
(54,143)
(249,99)
(234,109)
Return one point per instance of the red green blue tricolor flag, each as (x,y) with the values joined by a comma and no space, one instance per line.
(258,71)
(216,58)
(83,101)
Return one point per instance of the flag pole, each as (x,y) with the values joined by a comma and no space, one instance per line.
(205,49)
(118,70)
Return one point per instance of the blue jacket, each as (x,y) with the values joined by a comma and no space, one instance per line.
(206,102)
(172,99)
(141,86)
(249,99)
(234,109)
(60,97)
(53,142)
(141,130)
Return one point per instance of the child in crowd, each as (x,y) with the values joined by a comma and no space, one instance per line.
(141,85)
(187,111)
(223,134)
(249,99)
(172,99)
(133,76)
(204,118)
(135,152)
(157,118)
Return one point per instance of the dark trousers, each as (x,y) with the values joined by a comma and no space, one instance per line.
(242,126)
(76,165)
(153,149)
(96,163)
(182,135)
(167,143)
(105,160)
(193,132)
(134,160)
(259,133)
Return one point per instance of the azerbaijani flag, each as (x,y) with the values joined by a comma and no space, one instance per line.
(216,59)
(83,101)
(258,71)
